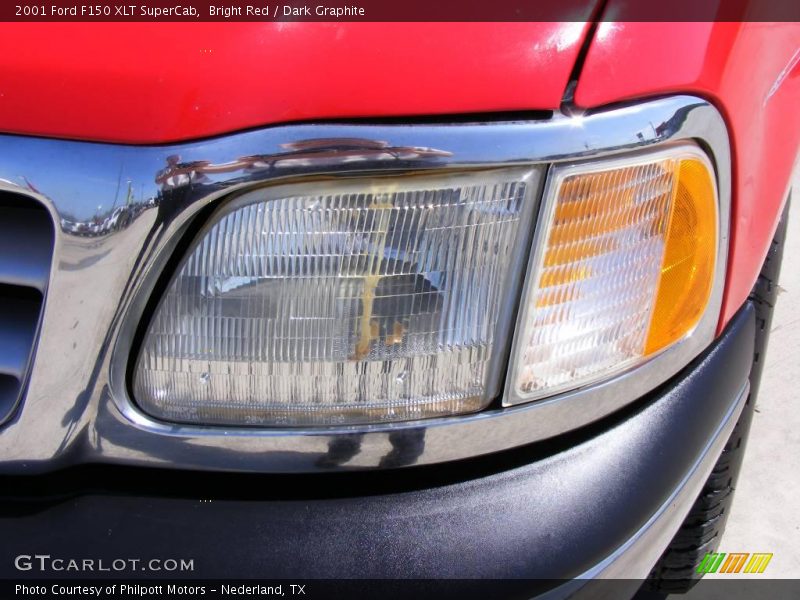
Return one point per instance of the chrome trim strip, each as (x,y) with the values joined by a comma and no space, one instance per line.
(121,213)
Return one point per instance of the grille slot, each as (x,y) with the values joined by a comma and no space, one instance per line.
(26,251)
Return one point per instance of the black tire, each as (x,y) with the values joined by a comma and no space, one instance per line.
(676,570)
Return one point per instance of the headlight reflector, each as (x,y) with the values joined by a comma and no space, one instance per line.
(624,268)
(348,301)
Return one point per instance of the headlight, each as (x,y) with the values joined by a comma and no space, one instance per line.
(345,301)
(391,298)
(623,268)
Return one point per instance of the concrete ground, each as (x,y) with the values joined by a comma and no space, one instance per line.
(766,509)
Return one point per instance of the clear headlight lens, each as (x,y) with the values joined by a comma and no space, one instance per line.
(347,301)
(624,268)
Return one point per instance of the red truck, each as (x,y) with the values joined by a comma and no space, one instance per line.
(387,300)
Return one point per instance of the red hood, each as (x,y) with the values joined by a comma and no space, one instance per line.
(160,82)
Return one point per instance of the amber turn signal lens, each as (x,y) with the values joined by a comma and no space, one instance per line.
(624,267)
(687,272)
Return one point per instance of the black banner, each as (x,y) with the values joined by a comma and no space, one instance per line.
(388,589)
(406,10)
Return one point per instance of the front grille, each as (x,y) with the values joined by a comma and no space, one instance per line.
(26,251)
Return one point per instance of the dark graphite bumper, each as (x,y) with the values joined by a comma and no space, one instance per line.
(598,502)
